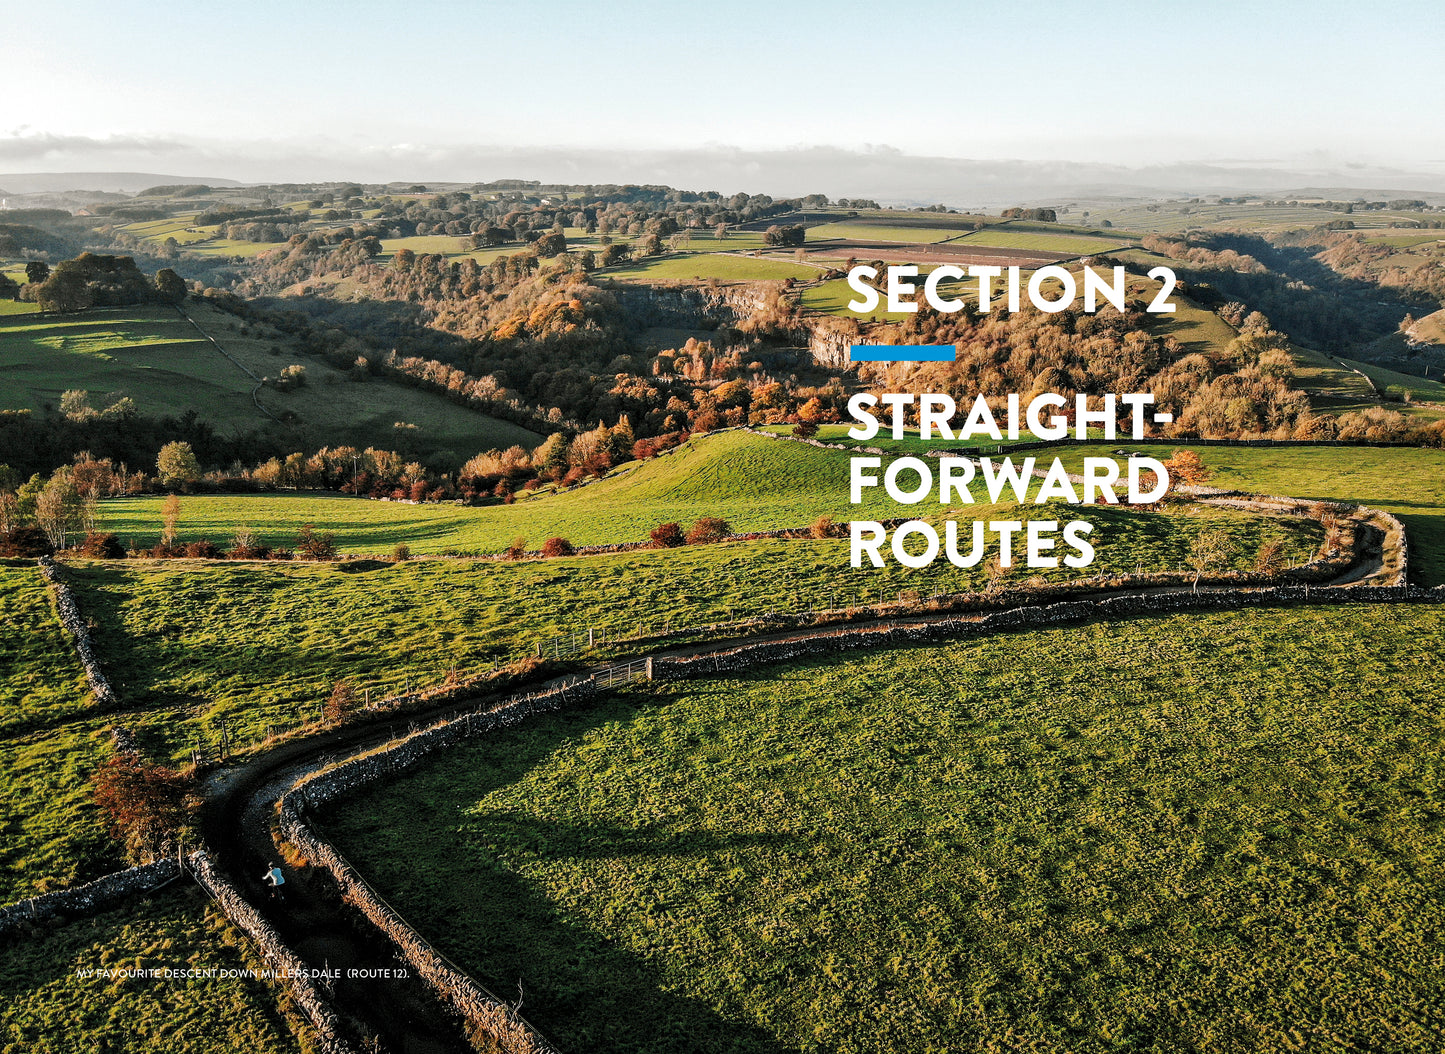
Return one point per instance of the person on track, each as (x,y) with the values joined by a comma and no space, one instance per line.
(276,880)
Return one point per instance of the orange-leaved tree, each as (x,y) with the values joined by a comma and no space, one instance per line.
(145,803)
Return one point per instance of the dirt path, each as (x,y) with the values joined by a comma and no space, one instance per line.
(382,1013)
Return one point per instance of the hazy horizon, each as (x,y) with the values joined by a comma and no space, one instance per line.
(948,101)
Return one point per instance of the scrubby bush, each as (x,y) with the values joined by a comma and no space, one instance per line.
(400,552)
(205,549)
(667,536)
(707,530)
(341,703)
(311,545)
(557,547)
(518,549)
(246,545)
(103,546)
(25,541)
(824,527)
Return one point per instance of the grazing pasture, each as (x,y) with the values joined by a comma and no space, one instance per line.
(1191,832)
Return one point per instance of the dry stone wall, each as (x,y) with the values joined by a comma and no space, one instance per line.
(749,656)
(89,899)
(480,1008)
(288,966)
(69,613)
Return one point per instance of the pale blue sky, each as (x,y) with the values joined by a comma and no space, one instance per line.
(1134,83)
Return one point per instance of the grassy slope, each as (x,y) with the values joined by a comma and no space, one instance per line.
(1407,482)
(160,361)
(46,1009)
(1169,834)
(755,483)
(1419,389)
(52,835)
(261,644)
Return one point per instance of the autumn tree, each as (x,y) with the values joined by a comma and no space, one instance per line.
(170,287)
(145,803)
(177,465)
(557,547)
(170,516)
(58,508)
(1186,468)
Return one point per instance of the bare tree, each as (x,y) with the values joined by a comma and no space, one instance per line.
(1210,550)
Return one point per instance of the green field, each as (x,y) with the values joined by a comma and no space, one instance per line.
(755,483)
(1405,241)
(1407,482)
(257,644)
(164,364)
(52,834)
(1186,833)
(18,307)
(685,267)
(880,232)
(1063,244)
(1401,385)
(45,1008)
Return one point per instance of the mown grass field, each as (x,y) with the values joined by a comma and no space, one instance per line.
(1220,832)
(46,1009)
(159,360)
(255,644)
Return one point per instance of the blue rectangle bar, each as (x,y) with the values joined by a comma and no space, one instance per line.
(901,353)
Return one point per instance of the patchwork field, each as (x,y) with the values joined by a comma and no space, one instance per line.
(720,265)
(1003,237)
(1166,834)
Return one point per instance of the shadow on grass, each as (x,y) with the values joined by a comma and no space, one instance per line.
(582,986)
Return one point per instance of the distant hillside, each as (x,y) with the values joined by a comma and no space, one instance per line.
(123,182)
(157,359)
